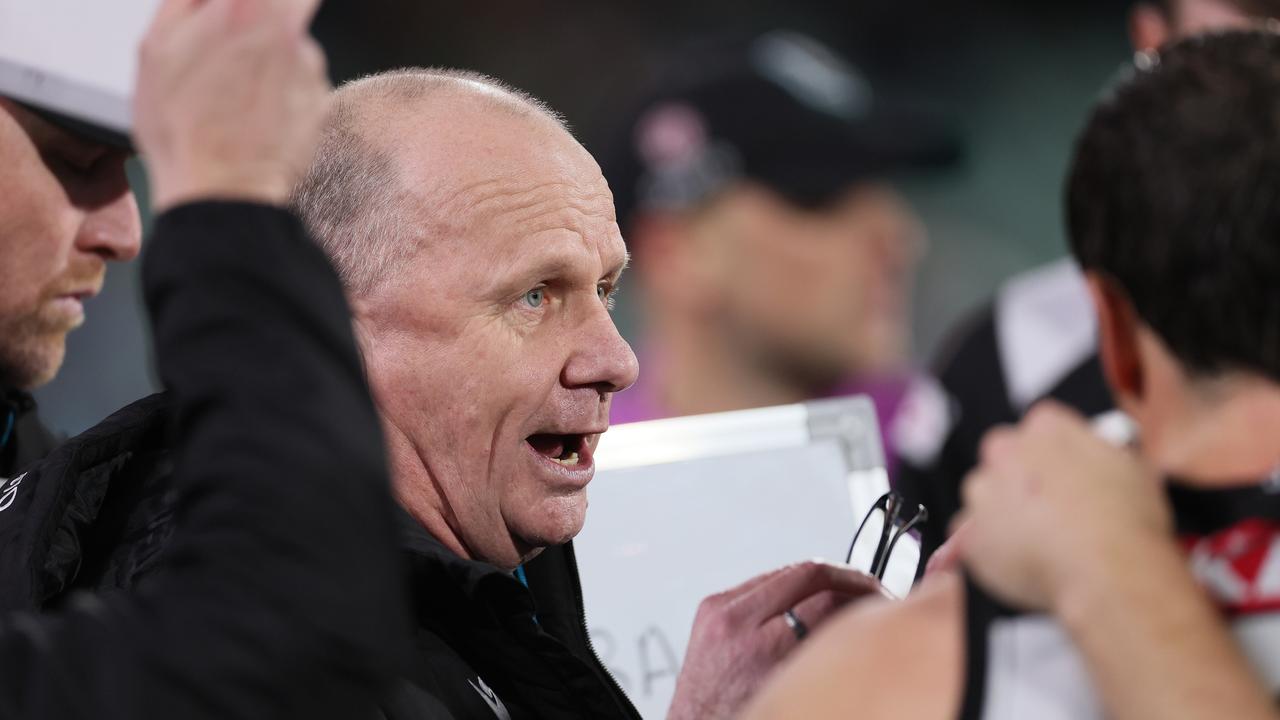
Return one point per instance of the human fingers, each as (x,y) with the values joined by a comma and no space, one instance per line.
(294,14)
(181,41)
(979,485)
(1053,432)
(797,582)
(747,586)
(1054,415)
(780,634)
(947,557)
(816,609)
(302,12)
(996,444)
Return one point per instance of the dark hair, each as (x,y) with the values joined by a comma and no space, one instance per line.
(1175,195)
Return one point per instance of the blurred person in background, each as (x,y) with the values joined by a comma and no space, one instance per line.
(277,595)
(1038,337)
(1135,582)
(775,257)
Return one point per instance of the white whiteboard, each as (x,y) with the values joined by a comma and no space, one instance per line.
(687,507)
(74,57)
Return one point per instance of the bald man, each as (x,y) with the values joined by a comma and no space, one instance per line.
(477,245)
(477,241)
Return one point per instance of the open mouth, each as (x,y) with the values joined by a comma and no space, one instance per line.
(568,450)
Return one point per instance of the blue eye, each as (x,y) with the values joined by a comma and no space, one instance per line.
(605,293)
(535,297)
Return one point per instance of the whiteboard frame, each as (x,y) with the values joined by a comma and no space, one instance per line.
(851,421)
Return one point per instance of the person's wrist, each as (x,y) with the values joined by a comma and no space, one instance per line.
(1082,590)
(681,708)
(172,189)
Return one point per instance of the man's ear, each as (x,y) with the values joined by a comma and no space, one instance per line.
(1117,339)
(1149,27)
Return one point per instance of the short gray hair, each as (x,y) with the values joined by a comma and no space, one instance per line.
(351,199)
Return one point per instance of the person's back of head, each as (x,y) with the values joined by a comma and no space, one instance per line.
(1172,211)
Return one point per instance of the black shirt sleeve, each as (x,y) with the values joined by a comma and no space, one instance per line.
(280,594)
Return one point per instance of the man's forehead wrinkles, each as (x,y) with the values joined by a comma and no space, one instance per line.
(462,195)
(527,207)
(513,195)
(564,235)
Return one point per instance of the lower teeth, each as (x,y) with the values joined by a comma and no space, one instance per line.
(570,459)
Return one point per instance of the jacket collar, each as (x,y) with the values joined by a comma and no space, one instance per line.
(15,404)
(434,566)
(18,421)
(442,583)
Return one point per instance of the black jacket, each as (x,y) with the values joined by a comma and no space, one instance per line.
(23,439)
(488,648)
(263,578)
(94,514)
(483,640)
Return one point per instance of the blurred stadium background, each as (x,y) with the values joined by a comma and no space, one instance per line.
(1015,78)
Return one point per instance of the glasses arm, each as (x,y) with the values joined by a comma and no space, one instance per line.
(879,504)
(921,517)
(881,557)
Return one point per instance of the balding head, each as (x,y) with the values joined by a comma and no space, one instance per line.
(356,198)
(478,245)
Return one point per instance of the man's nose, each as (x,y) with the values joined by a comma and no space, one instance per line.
(602,359)
(112,230)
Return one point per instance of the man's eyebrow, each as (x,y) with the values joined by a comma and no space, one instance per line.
(553,264)
(620,267)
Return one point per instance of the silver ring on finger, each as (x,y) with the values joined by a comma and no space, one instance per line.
(798,628)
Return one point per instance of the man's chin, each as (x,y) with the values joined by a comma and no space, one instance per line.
(27,366)
(561,521)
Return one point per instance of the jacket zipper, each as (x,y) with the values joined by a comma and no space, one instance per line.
(582,623)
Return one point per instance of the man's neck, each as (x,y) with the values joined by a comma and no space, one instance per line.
(697,372)
(1226,435)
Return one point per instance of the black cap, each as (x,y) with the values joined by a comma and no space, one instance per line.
(780,109)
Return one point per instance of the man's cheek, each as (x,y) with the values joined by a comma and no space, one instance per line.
(26,272)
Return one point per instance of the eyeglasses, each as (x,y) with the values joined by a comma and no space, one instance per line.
(872,546)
